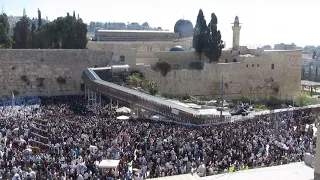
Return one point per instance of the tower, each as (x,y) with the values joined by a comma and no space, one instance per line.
(236,33)
(24,12)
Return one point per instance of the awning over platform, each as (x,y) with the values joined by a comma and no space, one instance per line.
(309,83)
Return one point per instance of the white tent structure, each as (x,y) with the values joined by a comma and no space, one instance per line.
(124,110)
(93,148)
(292,171)
(108,164)
(123,118)
(180,177)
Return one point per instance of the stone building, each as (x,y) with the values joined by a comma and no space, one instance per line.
(134,35)
(283,46)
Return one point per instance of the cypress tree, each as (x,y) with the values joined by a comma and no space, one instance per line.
(39,18)
(200,34)
(215,44)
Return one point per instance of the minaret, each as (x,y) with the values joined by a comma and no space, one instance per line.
(236,33)
(24,12)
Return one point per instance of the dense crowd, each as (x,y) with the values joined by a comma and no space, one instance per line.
(73,138)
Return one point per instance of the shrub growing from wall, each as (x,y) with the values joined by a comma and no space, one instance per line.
(61,80)
(25,79)
(40,82)
(163,66)
(196,66)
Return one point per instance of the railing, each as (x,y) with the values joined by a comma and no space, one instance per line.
(148,102)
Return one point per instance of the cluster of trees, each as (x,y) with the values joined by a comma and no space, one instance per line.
(5,39)
(207,38)
(68,32)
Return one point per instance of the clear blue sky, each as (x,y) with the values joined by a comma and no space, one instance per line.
(264,21)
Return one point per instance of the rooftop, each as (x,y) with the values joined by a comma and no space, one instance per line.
(135,31)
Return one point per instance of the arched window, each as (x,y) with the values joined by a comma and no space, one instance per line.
(226,60)
(122,58)
(234,60)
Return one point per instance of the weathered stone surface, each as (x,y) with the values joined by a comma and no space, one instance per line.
(47,64)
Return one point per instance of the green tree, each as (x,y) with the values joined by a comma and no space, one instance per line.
(215,44)
(302,99)
(39,19)
(134,79)
(33,36)
(22,34)
(200,34)
(145,24)
(63,33)
(5,40)
(152,88)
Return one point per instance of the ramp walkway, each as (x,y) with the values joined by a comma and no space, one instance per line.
(145,101)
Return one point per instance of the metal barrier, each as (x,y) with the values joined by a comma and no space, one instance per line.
(158,105)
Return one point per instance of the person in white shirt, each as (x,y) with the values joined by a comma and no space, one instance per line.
(16,176)
(80,177)
(86,175)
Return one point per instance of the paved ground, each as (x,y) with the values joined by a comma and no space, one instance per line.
(294,171)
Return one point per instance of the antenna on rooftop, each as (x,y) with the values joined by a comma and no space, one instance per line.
(2,9)
(183,17)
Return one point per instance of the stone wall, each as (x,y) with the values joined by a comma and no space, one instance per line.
(154,46)
(276,73)
(46,72)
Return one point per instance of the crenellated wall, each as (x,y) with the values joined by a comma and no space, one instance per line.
(35,72)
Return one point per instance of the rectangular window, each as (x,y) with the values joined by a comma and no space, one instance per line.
(257,65)
(272,66)
(252,65)
(247,65)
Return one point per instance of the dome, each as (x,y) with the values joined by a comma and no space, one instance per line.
(177,48)
(184,28)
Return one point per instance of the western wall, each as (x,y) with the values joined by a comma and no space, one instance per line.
(56,72)
(36,72)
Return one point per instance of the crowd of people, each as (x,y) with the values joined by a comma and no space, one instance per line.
(63,138)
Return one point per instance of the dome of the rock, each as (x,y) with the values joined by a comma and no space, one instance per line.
(184,28)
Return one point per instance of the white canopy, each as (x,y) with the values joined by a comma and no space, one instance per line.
(124,110)
(122,117)
(108,163)
(93,148)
